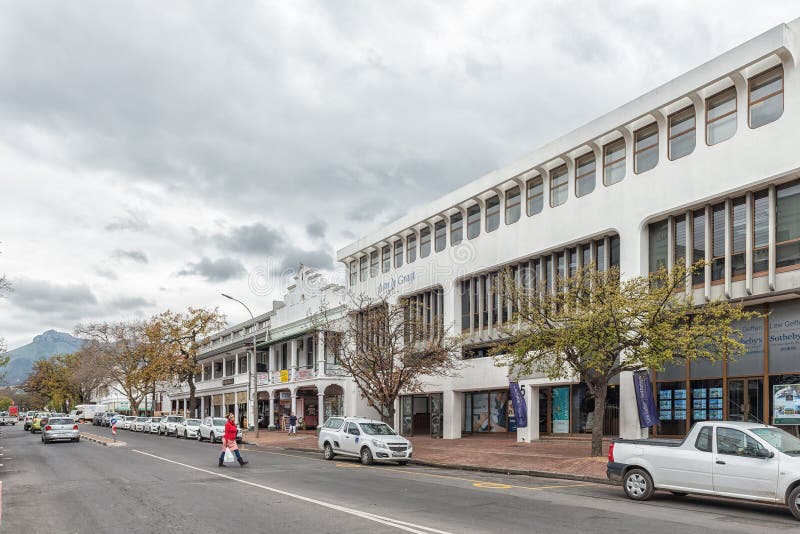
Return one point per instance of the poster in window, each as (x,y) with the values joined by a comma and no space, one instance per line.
(786,404)
(700,415)
(499,411)
(715,404)
(665,394)
(714,393)
(698,404)
(665,415)
(665,405)
(699,393)
(680,404)
(680,393)
(560,410)
(715,415)
(680,415)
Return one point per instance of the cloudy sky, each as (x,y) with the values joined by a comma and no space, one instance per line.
(153,154)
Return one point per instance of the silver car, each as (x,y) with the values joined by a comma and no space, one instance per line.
(213,429)
(187,428)
(60,429)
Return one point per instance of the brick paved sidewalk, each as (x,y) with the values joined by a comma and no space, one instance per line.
(565,457)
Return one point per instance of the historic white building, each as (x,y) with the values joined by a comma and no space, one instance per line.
(704,166)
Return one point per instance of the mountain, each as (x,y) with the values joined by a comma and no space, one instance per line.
(45,345)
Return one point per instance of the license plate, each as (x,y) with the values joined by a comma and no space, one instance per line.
(398,455)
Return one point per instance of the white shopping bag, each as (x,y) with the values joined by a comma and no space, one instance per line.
(229,457)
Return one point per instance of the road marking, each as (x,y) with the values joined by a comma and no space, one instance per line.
(492,485)
(347,465)
(396,523)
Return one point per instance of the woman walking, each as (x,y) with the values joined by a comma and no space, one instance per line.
(229,442)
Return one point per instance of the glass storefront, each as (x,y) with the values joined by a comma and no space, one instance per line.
(421,415)
(486,411)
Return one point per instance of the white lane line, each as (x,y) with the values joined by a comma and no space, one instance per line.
(402,525)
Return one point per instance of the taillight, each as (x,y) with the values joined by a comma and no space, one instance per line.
(611,452)
(74,427)
(48,427)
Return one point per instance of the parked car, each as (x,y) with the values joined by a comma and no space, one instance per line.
(59,429)
(26,425)
(108,416)
(168,423)
(7,419)
(187,428)
(152,425)
(213,429)
(363,438)
(732,459)
(127,422)
(22,416)
(139,424)
(97,420)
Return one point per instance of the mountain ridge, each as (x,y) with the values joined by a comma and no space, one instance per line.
(45,345)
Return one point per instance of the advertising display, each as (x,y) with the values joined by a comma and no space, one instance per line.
(561,410)
(786,404)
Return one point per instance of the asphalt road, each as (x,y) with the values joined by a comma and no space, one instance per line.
(159,484)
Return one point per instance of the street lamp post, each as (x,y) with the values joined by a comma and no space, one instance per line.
(252,370)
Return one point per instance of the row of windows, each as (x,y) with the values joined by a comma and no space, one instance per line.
(425,313)
(483,304)
(727,222)
(765,105)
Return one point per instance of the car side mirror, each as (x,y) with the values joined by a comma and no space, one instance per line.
(764,453)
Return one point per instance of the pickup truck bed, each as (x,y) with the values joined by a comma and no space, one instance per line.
(652,442)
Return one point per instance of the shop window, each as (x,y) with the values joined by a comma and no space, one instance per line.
(439,236)
(386,258)
(492,214)
(582,409)
(784,394)
(473,221)
(398,253)
(425,242)
(373,264)
(706,399)
(558,186)
(698,245)
(658,246)
(721,116)
(535,195)
(738,237)
(787,225)
(614,162)
(456,229)
(512,205)
(746,399)
(766,97)
(760,232)
(486,411)
(682,136)
(645,149)
(411,248)
(363,268)
(718,242)
(584,175)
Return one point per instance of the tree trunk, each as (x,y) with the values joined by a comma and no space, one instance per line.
(388,414)
(134,405)
(192,398)
(600,391)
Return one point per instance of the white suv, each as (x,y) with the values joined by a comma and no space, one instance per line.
(362,438)
(213,429)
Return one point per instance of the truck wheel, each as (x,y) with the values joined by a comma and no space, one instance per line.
(366,456)
(794,502)
(638,485)
(328,452)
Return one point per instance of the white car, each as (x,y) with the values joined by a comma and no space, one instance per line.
(362,438)
(139,424)
(168,423)
(213,429)
(151,425)
(187,428)
(127,422)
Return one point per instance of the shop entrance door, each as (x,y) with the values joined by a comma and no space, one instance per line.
(421,418)
(746,399)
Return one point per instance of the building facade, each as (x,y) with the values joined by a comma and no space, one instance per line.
(702,167)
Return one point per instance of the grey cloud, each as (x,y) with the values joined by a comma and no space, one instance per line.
(134,255)
(214,270)
(51,298)
(250,239)
(319,258)
(134,221)
(105,273)
(130,303)
(317,229)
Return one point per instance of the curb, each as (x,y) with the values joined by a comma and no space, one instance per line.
(102,441)
(495,470)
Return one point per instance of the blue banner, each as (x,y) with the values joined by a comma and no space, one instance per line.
(518,401)
(648,416)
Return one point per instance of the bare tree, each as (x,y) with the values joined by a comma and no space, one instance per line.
(5,287)
(389,349)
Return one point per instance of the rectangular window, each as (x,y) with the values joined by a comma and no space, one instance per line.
(513,201)
(682,137)
(456,229)
(425,242)
(760,232)
(485,288)
(398,254)
(601,255)
(558,186)
(613,253)
(586,250)
(573,262)
(534,195)
(386,258)
(787,225)
(353,273)
(679,240)
(439,236)
(477,303)
(738,237)
(411,248)
(584,175)
(473,222)
(373,264)
(718,242)
(658,246)
(548,273)
(363,268)
(562,268)
(614,162)
(699,245)
(492,214)
(721,116)
(766,97)
(645,149)
(465,317)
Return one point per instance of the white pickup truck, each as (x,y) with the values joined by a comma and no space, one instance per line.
(363,438)
(7,419)
(730,459)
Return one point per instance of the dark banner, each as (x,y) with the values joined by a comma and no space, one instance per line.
(518,401)
(648,416)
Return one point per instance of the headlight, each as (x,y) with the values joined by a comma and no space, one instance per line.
(379,444)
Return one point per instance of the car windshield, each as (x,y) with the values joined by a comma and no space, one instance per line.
(780,439)
(192,422)
(218,421)
(377,429)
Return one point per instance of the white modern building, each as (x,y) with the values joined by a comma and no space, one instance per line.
(704,166)
(297,370)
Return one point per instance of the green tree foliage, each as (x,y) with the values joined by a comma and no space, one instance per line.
(594,327)
(5,402)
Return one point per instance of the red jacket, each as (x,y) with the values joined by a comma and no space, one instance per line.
(230,430)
